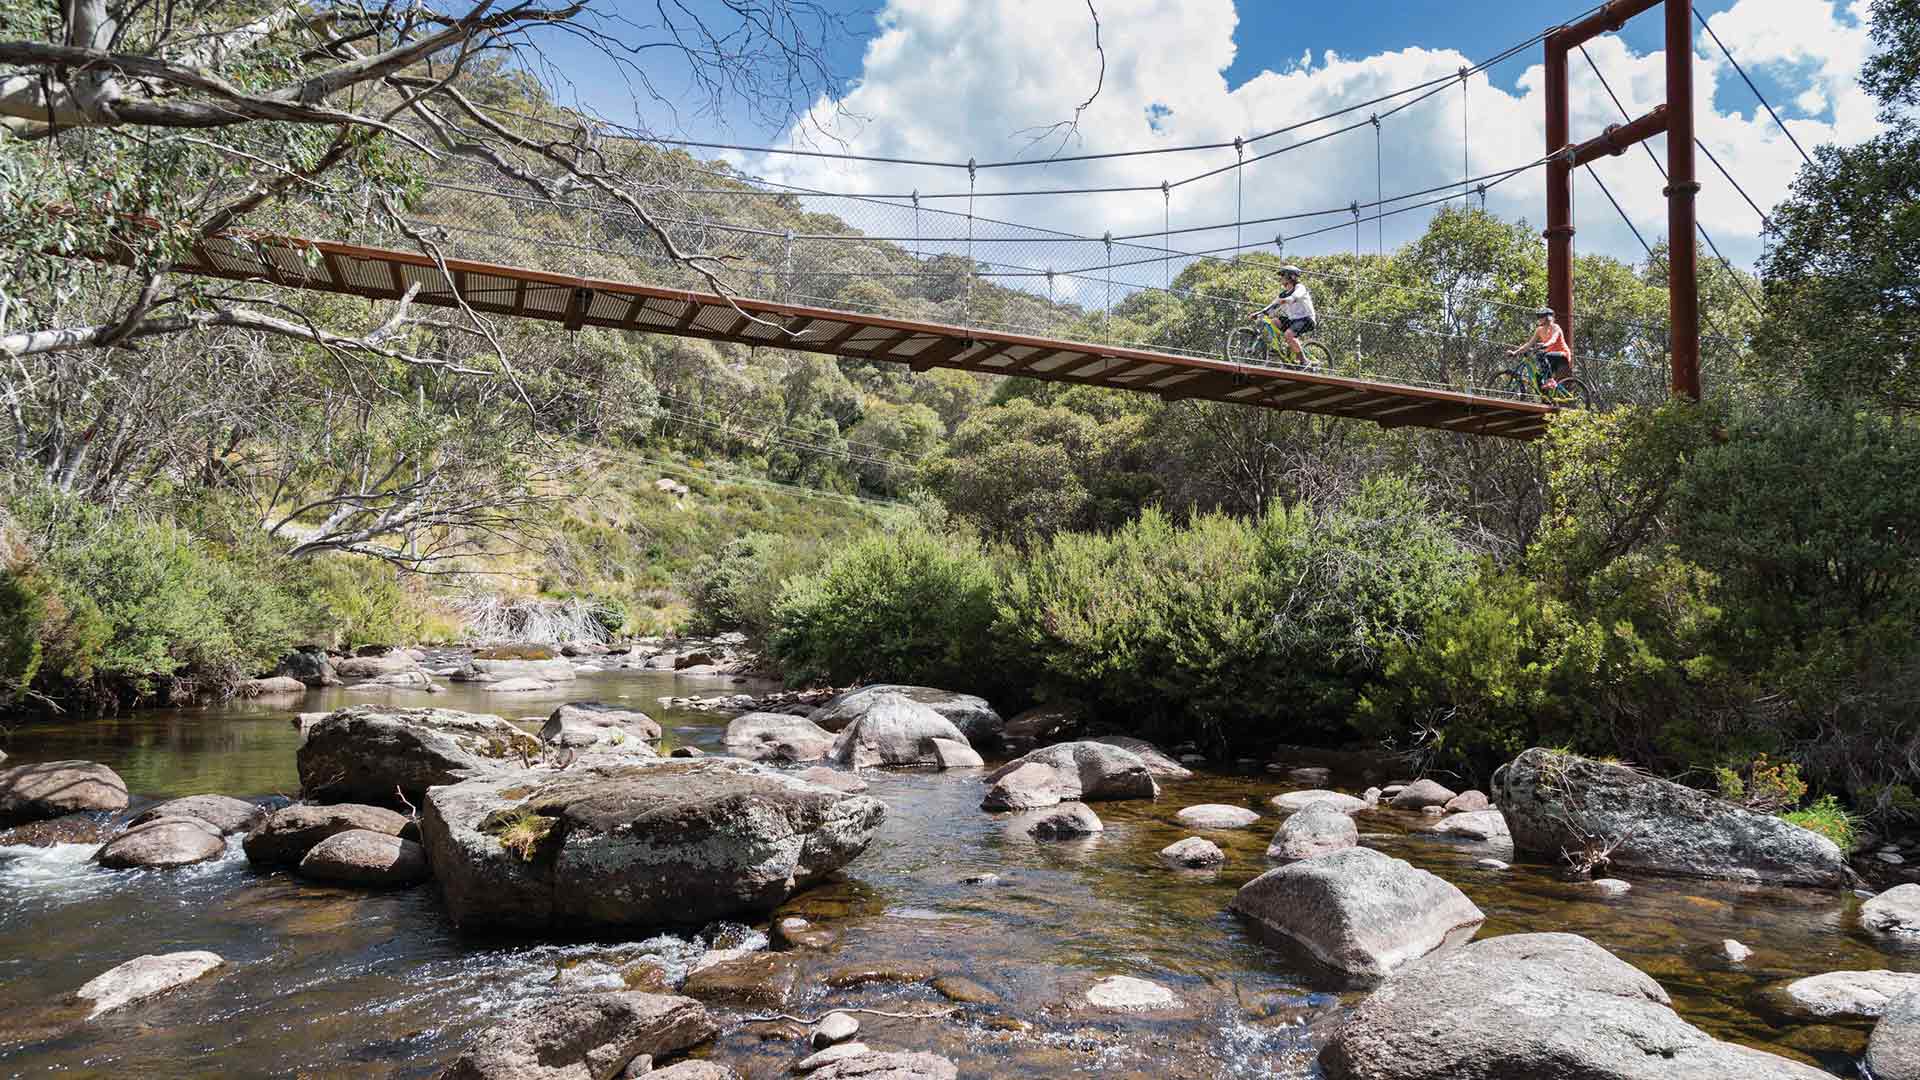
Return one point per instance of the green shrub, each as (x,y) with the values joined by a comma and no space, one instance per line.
(1762,785)
(738,587)
(1226,628)
(910,606)
(1828,818)
(348,602)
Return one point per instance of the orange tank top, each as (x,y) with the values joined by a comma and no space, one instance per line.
(1555,341)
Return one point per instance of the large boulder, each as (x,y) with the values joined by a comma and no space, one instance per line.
(1893,1053)
(143,977)
(580,724)
(365,857)
(1533,1005)
(1896,911)
(1082,771)
(892,729)
(291,831)
(373,667)
(1024,786)
(765,736)
(1158,763)
(1044,725)
(888,1066)
(1846,995)
(1557,802)
(367,753)
(972,715)
(1358,911)
(271,686)
(1317,829)
(554,670)
(603,845)
(582,1037)
(310,666)
(1474,825)
(162,844)
(224,813)
(1292,801)
(53,789)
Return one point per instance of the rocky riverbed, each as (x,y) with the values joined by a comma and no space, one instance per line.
(968,938)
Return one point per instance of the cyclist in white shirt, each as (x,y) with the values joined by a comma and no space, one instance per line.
(1295,316)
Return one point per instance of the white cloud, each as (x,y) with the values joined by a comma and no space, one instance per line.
(952,79)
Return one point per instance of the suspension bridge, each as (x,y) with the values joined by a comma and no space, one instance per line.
(926,279)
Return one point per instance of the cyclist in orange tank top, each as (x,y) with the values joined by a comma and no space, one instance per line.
(1548,338)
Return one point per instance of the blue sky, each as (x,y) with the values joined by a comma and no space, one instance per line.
(953,79)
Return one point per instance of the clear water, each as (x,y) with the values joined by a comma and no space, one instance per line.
(325,982)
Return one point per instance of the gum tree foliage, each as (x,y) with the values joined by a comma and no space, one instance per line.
(141,130)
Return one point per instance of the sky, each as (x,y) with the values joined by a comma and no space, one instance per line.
(950,80)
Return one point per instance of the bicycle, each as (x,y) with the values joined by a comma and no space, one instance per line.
(1245,344)
(1531,376)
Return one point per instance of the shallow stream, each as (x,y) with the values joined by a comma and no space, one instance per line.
(327,982)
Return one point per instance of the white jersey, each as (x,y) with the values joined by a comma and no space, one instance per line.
(1295,304)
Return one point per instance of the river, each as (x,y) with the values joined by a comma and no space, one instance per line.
(328,982)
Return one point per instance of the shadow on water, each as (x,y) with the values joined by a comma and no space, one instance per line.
(328,982)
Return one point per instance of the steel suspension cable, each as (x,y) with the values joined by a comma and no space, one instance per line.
(1728,53)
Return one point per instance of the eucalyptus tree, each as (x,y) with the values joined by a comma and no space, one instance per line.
(133,131)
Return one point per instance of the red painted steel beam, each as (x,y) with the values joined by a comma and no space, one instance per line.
(1683,283)
(1621,136)
(1610,18)
(1559,232)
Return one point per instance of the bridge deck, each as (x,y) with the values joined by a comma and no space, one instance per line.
(380,273)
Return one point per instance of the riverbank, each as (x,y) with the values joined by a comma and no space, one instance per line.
(330,981)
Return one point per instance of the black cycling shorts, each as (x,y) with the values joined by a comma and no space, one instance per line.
(1298,326)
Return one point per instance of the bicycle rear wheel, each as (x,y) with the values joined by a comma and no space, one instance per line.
(1572,394)
(1243,346)
(1511,383)
(1319,357)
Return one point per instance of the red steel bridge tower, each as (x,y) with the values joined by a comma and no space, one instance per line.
(1675,118)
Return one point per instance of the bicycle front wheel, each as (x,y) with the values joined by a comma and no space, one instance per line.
(1572,394)
(1319,357)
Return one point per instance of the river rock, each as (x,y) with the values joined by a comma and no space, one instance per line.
(373,667)
(835,1027)
(365,857)
(271,686)
(291,831)
(1299,800)
(1309,774)
(1044,725)
(834,778)
(1846,995)
(1533,1005)
(603,846)
(367,752)
(581,724)
(1127,992)
(1316,829)
(1027,786)
(309,666)
(1896,911)
(889,1066)
(1555,802)
(1421,794)
(523,684)
(1893,1053)
(551,670)
(582,1037)
(1081,770)
(1193,853)
(695,1070)
(1216,816)
(830,1055)
(765,736)
(143,977)
(226,814)
(760,980)
(948,754)
(1063,822)
(975,719)
(1468,802)
(1159,763)
(162,844)
(90,829)
(1359,911)
(1473,825)
(1734,952)
(892,729)
(53,789)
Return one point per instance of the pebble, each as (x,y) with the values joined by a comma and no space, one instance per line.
(1127,992)
(1734,951)
(1892,857)
(1611,886)
(1490,864)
